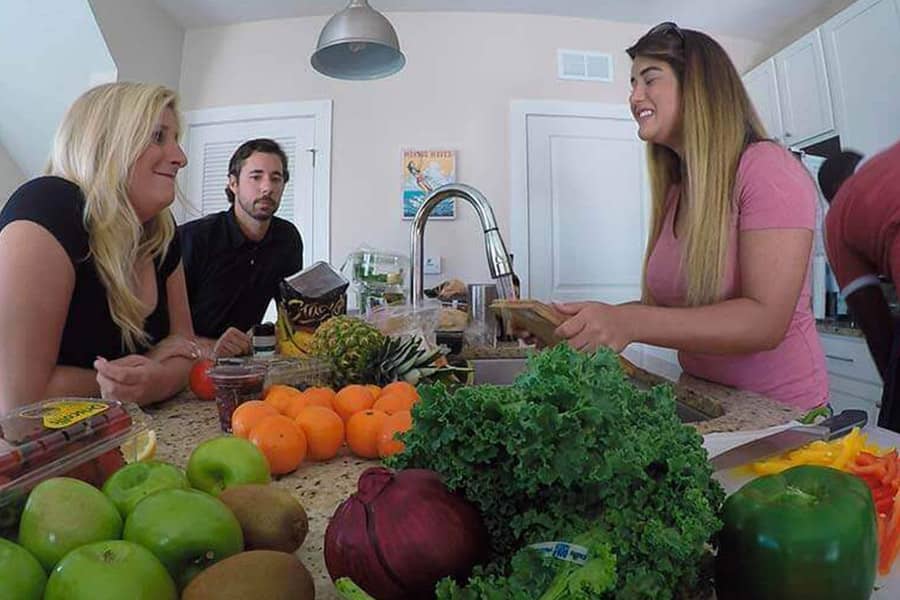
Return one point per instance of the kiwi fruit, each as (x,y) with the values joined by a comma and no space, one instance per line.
(254,574)
(270,517)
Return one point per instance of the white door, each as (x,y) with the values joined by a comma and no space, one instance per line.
(862,53)
(303,130)
(803,89)
(762,87)
(586,205)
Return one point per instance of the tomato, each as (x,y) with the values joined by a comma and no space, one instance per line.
(200,383)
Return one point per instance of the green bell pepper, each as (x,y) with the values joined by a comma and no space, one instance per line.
(808,532)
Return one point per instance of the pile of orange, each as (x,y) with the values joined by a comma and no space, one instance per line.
(289,425)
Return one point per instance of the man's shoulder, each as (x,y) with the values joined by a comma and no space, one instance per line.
(202,225)
(285,228)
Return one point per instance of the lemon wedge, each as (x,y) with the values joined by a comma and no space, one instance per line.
(140,447)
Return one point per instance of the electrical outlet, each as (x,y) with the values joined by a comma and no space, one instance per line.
(432,265)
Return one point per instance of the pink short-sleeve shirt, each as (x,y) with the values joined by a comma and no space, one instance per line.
(774,191)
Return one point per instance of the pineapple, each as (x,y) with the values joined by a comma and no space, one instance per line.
(407,360)
(349,344)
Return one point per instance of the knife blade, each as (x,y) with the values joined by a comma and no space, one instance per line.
(789,439)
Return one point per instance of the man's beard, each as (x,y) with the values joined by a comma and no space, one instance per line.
(260,216)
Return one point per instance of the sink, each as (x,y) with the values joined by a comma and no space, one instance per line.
(502,371)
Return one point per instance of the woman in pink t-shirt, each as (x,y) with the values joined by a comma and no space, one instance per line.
(728,259)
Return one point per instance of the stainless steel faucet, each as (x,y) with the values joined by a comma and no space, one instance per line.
(497,257)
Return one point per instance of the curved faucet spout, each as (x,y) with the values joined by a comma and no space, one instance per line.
(497,257)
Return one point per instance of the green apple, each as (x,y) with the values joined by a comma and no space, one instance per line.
(132,483)
(62,514)
(111,570)
(21,575)
(187,530)
(226,461)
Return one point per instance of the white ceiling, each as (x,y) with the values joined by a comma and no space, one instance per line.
(759,20)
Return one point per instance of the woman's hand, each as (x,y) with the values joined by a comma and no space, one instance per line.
(132,378)
(233,342)
(593,325)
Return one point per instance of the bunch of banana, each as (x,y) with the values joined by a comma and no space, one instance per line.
(288,341)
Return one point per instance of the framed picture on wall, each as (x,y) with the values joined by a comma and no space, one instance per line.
(423,172)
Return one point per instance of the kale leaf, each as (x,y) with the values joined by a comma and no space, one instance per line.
(572,446)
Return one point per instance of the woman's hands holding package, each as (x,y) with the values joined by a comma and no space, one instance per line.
(593,325)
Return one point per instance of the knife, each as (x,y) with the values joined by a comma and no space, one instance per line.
(789,439)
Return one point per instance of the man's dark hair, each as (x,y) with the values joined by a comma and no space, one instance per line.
(240,156)
(836,170)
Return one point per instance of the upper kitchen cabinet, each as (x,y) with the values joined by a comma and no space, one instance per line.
(762,86)
(803,90)
(862,51)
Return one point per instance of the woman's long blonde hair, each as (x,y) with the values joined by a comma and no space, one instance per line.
(96,146)
(718,122)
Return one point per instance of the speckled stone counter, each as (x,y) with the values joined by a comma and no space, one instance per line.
(833,327)
(184,421)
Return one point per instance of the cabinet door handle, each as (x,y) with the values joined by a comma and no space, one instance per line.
(787,134)
(840,358)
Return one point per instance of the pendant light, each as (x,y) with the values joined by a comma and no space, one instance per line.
(358,43)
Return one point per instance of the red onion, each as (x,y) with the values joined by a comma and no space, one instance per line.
(400,533)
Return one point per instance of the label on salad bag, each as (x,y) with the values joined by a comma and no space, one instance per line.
(59,415)
(563,551)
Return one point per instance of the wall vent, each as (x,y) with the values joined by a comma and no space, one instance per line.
(584,66)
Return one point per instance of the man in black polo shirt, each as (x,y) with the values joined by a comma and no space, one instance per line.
(234,259)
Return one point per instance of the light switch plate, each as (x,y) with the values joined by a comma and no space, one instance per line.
(432,265)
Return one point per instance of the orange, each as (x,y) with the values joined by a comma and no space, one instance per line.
(401,387)
(395,401)
(319,396)
(396,423)
(352,399)
(363,430)
(282,441)
(324,430)
(248,414)
(376,390)
(285,399)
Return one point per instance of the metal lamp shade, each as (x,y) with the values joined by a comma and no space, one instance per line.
(358,43)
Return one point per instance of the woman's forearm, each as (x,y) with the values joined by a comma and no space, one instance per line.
(172,377)
(72,381)
(737,326)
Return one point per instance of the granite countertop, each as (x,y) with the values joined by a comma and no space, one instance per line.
(184,422)
(835,327)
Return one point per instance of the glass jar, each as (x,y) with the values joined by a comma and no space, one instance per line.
(236,384)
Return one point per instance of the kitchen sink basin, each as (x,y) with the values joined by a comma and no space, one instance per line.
(502,371)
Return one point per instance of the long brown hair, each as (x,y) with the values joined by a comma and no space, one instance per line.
(718,122)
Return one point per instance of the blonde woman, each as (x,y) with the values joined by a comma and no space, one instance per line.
(727,262)
(92,292)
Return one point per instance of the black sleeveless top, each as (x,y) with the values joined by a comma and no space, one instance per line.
(57,205)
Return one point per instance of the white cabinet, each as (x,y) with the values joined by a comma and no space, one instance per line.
(853,379)
(762,86)
(862,54)
(803,90)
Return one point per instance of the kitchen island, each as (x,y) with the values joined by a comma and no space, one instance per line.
(184,421)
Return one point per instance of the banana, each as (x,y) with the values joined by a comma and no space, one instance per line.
(289,342)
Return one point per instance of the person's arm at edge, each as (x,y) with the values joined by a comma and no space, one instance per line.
(33,317)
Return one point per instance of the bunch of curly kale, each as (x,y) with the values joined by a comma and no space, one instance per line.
(572,450)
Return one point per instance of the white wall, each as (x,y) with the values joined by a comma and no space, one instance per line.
(145,41)
(50,52)
(11,176)
(462,71)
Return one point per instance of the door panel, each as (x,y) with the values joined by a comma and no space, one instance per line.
(587,208)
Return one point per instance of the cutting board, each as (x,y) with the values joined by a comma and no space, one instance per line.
(886,588)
